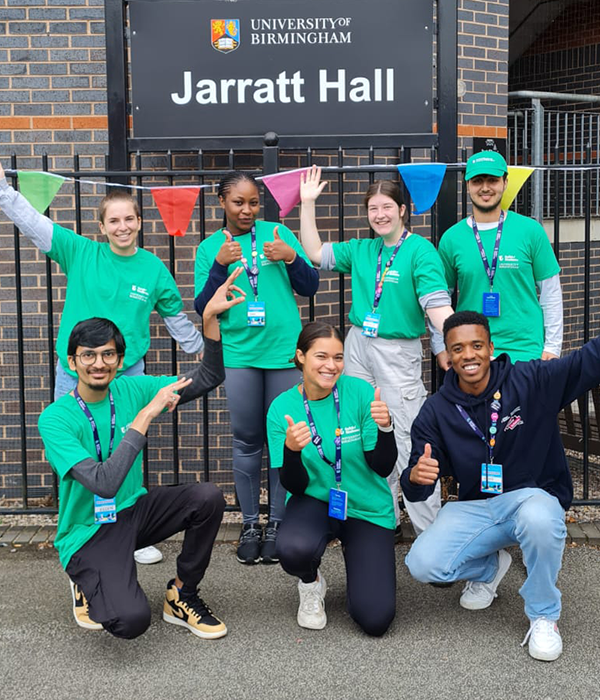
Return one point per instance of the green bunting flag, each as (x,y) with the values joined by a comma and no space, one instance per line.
(39,188)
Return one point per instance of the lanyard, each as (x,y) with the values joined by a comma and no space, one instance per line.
(491,272)
(493,427)
(379,276)
(113,420)
(252,272)
(317,439)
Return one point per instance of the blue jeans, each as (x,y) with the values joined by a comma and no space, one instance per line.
(65,383)
(463,542)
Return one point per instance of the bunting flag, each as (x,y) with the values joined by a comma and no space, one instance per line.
(176,205)
(39,188)
(285,188)
(423,181)
(517,177)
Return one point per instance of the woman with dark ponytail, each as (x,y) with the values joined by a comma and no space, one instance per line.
(259,339)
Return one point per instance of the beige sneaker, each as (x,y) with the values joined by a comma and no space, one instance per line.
(81,609)
(192,613)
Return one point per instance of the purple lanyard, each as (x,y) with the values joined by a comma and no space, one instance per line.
(491,272)
(379,277)
(493,427)
(113,421)
(317,439)
(252,272)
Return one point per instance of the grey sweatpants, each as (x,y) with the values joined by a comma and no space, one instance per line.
(395,367)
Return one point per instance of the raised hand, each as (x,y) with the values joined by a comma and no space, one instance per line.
(379,411)
(278,249)
(297,435)
(426,470)
(230,251)
(167,397)
(225,295)
(443,360)
(311,185)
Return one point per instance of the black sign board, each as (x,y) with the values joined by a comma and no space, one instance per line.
(209,68)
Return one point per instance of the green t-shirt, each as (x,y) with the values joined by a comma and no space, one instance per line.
(524,258)
(124,289)
(68,440)
(416,271)
(369,496)
(273,345)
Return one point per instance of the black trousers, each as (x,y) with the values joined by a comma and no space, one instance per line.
(105,569)
(368,552)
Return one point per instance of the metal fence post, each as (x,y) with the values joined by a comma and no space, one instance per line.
(538,158)
(270,166)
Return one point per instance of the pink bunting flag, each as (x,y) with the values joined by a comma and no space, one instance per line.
(39,188)
(176,205)
(285,188)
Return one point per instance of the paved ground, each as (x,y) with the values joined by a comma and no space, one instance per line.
(433,650)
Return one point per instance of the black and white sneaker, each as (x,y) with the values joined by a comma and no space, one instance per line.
(268,554)
(248,551)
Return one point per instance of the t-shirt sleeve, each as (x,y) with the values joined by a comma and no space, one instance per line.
(276,430)
(445,253)
(62,444)
(545,264)
(342,252)
(368,425)
(168,301)
(202,268)
(66,245)
(428,270)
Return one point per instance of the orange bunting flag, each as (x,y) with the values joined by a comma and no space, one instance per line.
(39,188)
(517,177)
(176,205)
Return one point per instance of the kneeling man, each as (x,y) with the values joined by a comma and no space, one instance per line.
(94,439)
(493,427)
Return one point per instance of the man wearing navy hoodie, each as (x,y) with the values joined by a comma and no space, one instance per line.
(493,427)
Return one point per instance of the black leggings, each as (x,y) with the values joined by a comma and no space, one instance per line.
(368,552)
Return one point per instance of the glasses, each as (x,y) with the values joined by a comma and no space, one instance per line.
(109,357)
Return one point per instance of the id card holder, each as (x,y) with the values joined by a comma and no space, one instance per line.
(491,478)
(338,504)
(371,325)
(105,510)
(256,313)
(491,304)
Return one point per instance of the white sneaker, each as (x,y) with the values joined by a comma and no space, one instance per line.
(311,611)
(545,643)
(148,555)
(477,595)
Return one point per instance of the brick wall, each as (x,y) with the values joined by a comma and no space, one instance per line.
(53,102)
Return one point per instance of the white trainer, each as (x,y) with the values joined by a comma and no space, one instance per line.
(148,555)
(477,595)
(311,611)
(545,643)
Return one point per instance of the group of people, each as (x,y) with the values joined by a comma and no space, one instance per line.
(347,421)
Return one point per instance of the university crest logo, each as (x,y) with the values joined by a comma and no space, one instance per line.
(225,34)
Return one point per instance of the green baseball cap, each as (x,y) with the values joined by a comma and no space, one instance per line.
(486,163)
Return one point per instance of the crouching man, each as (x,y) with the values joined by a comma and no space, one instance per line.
(493,427)
(93,439)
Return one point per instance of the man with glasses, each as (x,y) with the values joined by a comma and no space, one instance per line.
(93,438)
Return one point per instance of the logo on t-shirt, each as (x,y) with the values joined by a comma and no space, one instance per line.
(508,262)
(350,433)
(139,293)
(392,276)
(125,428)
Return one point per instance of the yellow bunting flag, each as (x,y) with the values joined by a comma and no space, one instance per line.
(517,177)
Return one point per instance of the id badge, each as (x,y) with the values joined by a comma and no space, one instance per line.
(256,313)
(105,510)
(371,325)
(491,478)
(491,303)
(338,504)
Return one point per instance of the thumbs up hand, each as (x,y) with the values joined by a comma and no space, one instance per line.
(278,249)
(297,435)
(426,470)
(230,252)
(379,411)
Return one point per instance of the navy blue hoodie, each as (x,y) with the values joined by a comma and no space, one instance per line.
(528,444)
